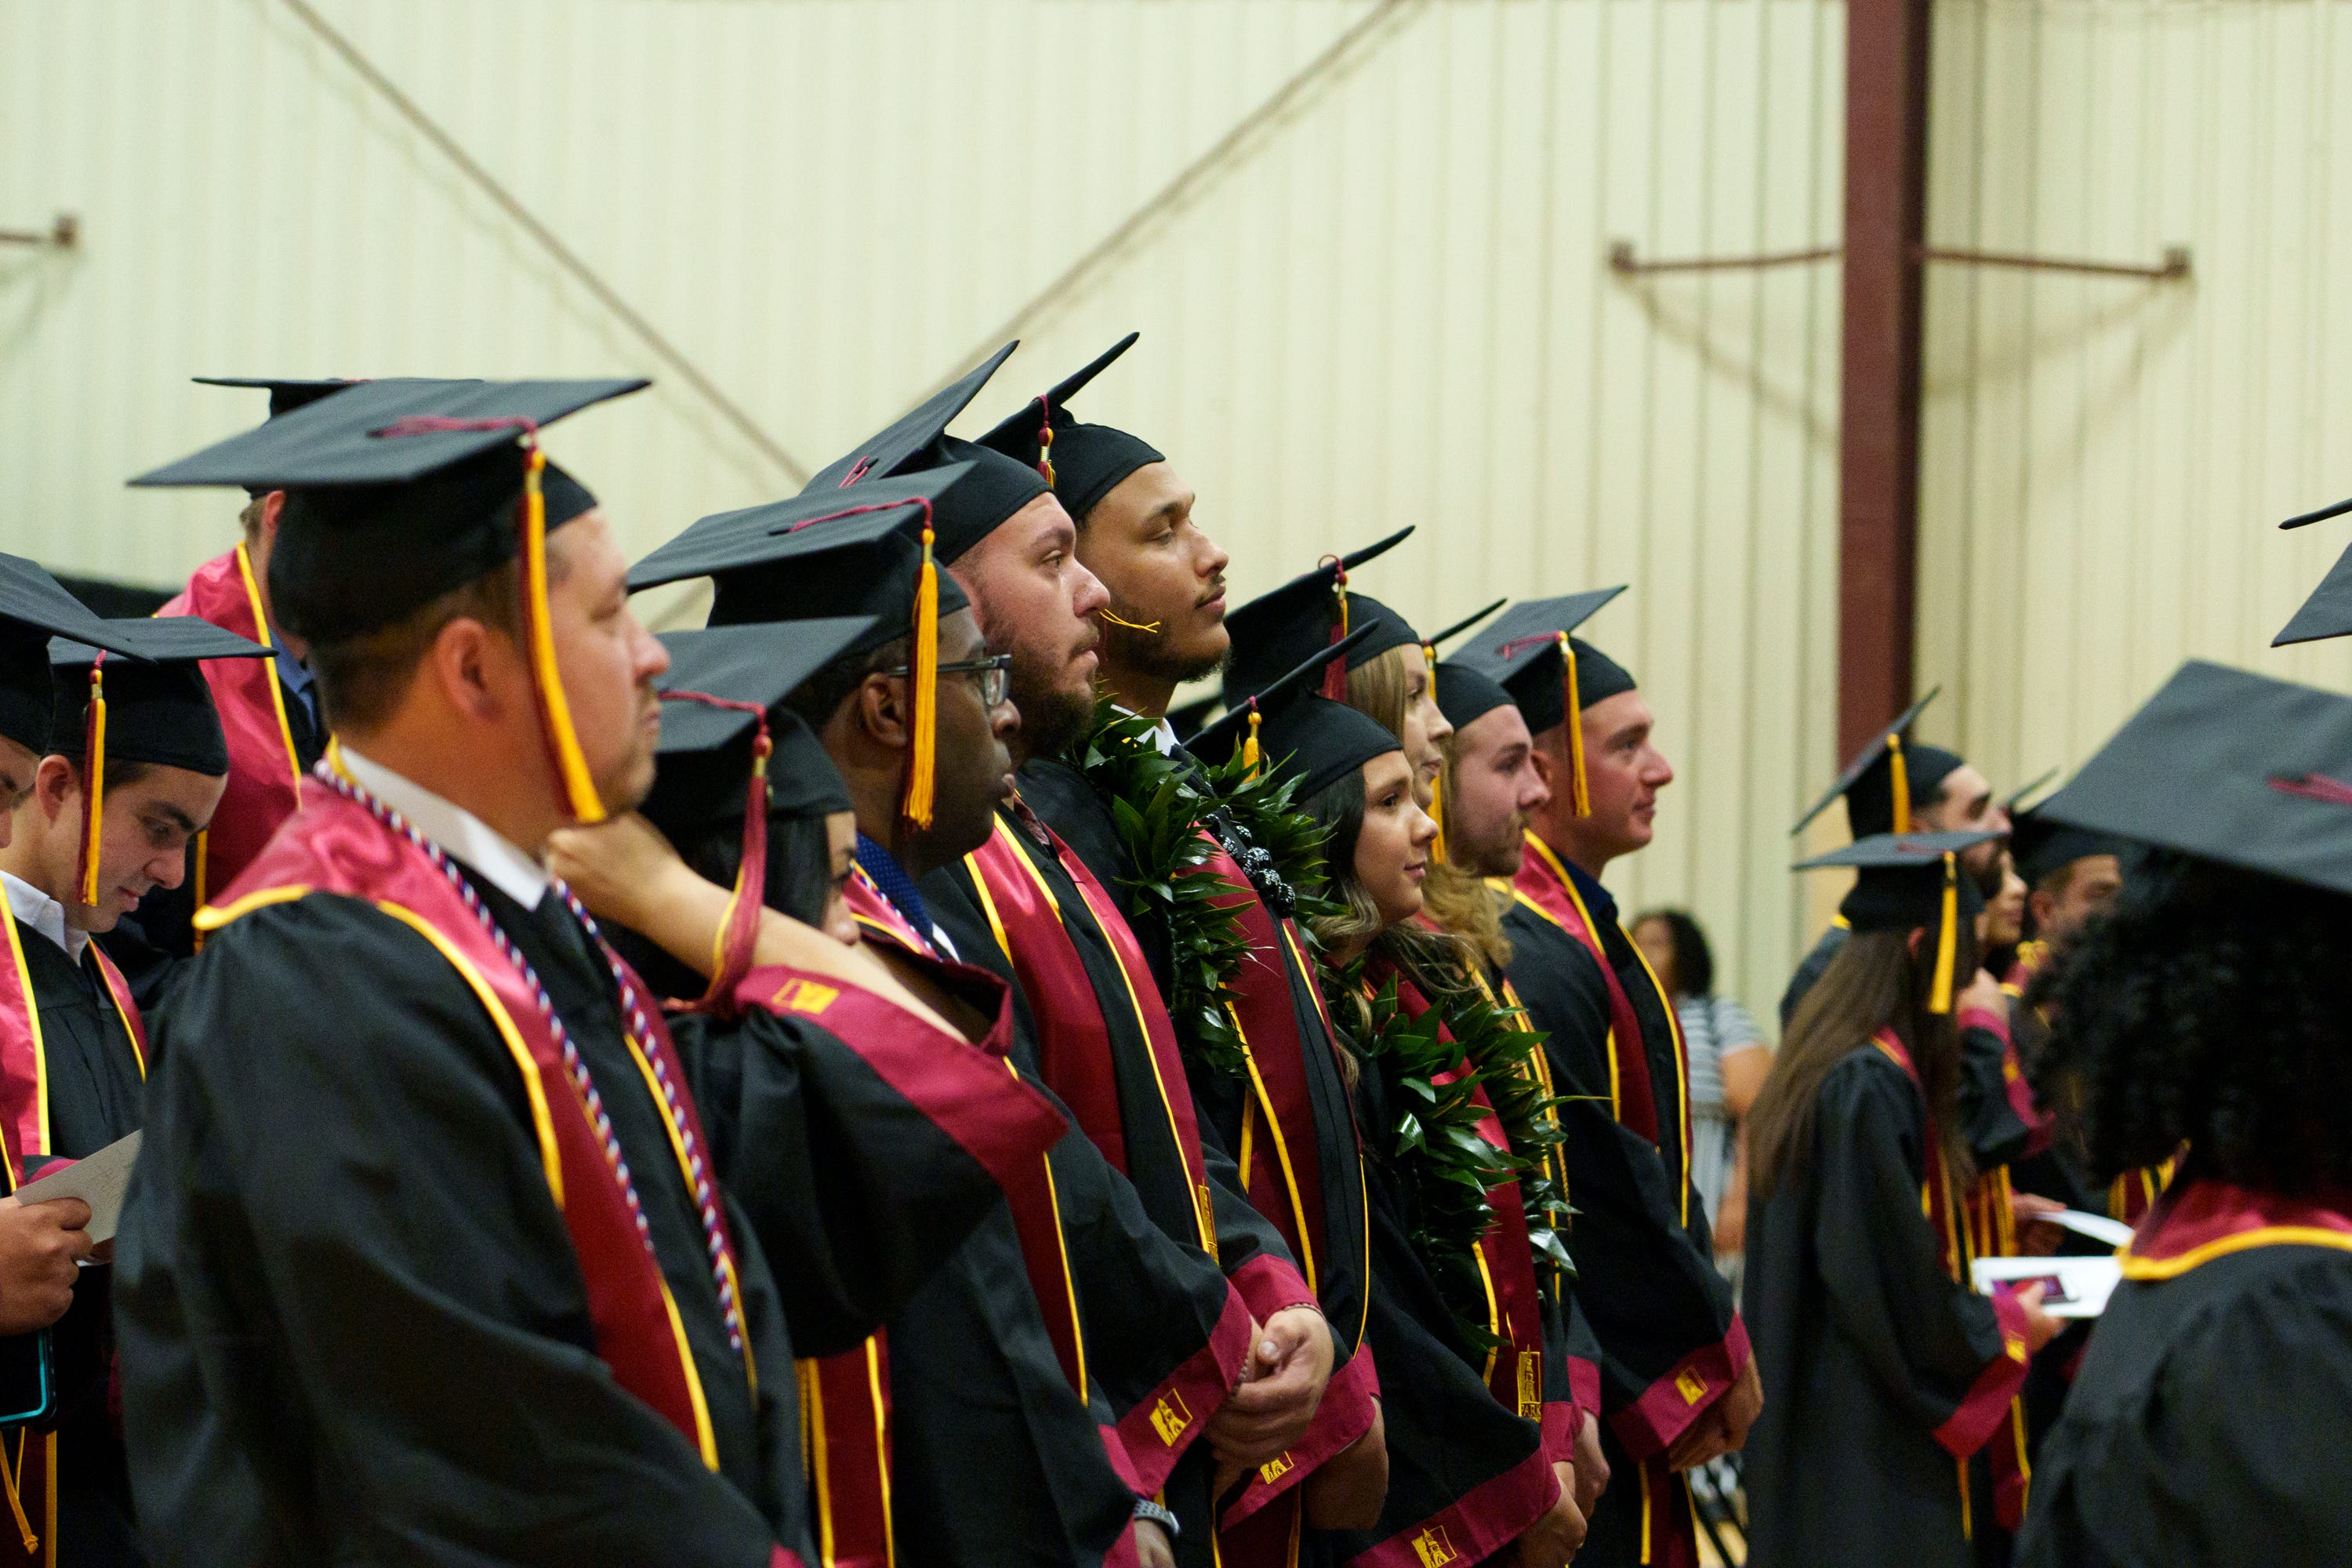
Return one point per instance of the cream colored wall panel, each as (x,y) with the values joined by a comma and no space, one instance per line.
(2103,458)
(1387,304)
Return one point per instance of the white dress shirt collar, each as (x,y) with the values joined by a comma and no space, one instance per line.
(44,914)
(460,833)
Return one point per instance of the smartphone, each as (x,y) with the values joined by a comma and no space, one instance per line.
(28,1379)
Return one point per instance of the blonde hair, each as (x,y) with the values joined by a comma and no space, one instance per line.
(1381,690)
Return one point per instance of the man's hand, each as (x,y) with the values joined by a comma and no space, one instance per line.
(1346,1492)
(39,1247)
(1741,1406)
(1591,1466)
(1984,994)
(1282,1382)
(2041,1327)
(1153,1547)
(2036,1235)
(1703,1442)
(1552,1539)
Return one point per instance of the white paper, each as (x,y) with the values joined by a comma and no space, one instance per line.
(98,1181)
(2076,1286)
(2097,1226)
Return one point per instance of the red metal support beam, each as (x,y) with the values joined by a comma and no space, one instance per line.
(1878,424)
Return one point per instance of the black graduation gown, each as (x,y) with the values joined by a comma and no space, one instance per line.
(96,1093)
(1646,1284)
(1810,969)
(1879,1368)
(1073,808)
(995,1457)
(2205,1425)
(1125,1279)
(354,1325)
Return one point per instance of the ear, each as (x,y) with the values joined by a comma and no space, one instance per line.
(882,711)
(1911,943)
(2040,906)
(468,661)
(273,508)
(1542,759)
(55,784)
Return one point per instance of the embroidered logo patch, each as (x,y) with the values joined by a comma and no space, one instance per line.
(1433,1548)
(804,996)
(1169,1418)
(1690,1385)
(1273,1469)
(2014,1345)
(1530,1386)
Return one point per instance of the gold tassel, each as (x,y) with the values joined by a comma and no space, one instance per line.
(1045,452)
(923,688)
(571,767)
(1939,995)
(1249,743)
(14,1477)
(1578,794)
(93,802)
(1901,783)
(1437,784)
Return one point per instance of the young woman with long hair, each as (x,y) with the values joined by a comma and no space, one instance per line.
(1480,1437)
(1884,1375)
(2208,1014)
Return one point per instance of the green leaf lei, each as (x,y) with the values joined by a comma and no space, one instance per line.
(1443,1164)
(1161,811)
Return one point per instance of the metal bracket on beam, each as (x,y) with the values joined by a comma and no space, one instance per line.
(63,234)
(1625,263)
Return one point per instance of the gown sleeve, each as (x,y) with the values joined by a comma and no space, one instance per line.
(1646,1286)
(2221,1449)
(339,1253)
(1952,1357)
(1997,1108)
(861,1165)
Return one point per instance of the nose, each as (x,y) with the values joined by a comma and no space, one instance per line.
(168,870)
(1004,720)
(1423,831)
(1090,594)
(1219,559)
(652,657)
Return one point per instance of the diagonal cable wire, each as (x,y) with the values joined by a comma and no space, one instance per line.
(669,353)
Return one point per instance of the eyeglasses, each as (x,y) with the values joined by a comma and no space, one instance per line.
(995,674)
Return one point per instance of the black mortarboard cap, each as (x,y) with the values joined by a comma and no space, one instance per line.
(1911,881)
(34,607)
(2040,845)
(2231,766)
(907,442)
(286,394)
(152,708)
(284,397)
(706,751)
(822,553)
(1874,806)
(1439,639)
(1083,463)
(1292,729)
(1553,676)
(855,552)
(1277,631)
(2327,613)
(2016,797)
(1465,695)
(398,491)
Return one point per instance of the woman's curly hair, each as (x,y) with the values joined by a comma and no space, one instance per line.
(2209,1006)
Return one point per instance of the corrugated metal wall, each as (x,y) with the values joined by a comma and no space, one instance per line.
(2103,458)
(1384,302)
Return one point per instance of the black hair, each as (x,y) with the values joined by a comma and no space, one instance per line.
(1439,962)
(2209,1006)
(1694,960)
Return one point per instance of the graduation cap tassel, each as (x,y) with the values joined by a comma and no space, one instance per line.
(923,687)
(1899,776)
(1335,676)
(1045,442)
(1437,784)
(555,713)
(1578,793)
(1939,995)
(1249,743)
(93,798)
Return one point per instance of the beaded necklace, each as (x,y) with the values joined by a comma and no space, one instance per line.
(641,1041)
